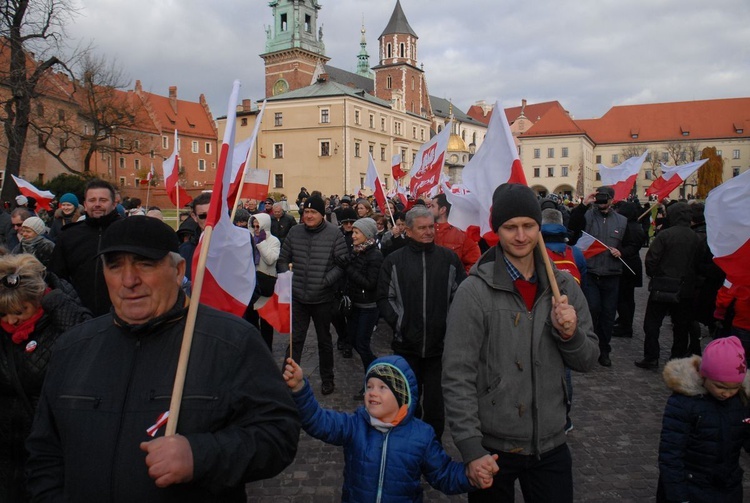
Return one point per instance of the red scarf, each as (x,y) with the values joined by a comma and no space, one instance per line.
(19,333)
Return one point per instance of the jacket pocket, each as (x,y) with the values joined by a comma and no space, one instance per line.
(72,401)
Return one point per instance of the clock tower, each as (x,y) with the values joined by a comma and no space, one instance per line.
(294,46)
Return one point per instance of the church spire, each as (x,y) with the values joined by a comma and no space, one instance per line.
(363,59)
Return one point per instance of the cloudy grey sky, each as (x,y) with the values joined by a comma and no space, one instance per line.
(587,54)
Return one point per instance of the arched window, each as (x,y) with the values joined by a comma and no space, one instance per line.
(388,50)
(388,82)
(402,50)
(412,83)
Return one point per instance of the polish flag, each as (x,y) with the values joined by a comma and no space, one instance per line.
(277,310)
(229,279)
(672,177)
(43,197)
(396,167)
(151,174)
(171,168)
(429,163)
(728,229)
(622,177)
(372,181)
(240,158)
(255,185)
(496,162)
(590,246)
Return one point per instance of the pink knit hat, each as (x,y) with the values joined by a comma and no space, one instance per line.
(724,360)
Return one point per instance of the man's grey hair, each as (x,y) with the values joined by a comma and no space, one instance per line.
(23,213)
(278,205)
(418,211)
(174,258)
(551,216)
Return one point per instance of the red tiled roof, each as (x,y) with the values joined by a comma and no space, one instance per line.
(190,118)
(555,122)
(679,121)
(476,112)
(533,112)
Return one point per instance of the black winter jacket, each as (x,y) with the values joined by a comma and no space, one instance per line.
(22,370)
(701,439)
(362,275)
(74,259)
(415,289)
(280,227)
(610,229)
(675,251)
(108,382)
(319,256)
(631,250)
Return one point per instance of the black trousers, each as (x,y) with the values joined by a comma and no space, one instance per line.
(547,479)
(321,317)
(682,346)
(429,372)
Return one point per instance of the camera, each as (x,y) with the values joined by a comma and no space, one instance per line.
(601,198)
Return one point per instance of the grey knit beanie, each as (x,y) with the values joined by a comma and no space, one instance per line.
(367,227)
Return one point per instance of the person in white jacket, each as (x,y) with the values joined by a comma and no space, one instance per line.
(267,248)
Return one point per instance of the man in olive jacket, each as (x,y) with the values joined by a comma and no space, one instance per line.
(318,253)
(506,349)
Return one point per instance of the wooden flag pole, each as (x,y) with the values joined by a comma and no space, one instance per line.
(187,335)
(550,273)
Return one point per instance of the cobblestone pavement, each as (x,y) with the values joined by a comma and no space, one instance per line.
(616,415)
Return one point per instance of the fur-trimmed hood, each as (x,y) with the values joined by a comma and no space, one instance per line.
(683,376)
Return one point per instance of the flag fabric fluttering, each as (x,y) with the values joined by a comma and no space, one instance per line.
(276,310)
(43,197)
(672,177)
(239,161)
(496,162)
(590,246)
(398,174)
(728,229)
(151,174)
(622,177)
(372,181)
(229,279)
(428,163)
(171,167)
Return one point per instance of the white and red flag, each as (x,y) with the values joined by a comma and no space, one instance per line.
(277,309)
(590,246)
(428,163)
(151,174)
(241,174)
(372,181)
(171,168)
(229,279)
(43,197)
(728,229)
(622,177)
(398,174)
(496,162)
(672,177)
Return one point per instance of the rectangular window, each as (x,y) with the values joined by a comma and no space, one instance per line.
(414,132)
(121,142)
(382,123)
(208,147)
(719,152)
(122,181)
(598,159)
(564,171)
(735,171)
(194,147)
(648,175)
(550,153)
(735,154)
(356,117)
(372,121)
(357,149)
(278,181)
(537,153)
(137,144)
(61,114)
(421,134)
(648,157)
(565,151)
(243,121)
(122,162)
(371,149)
(324,117)
(386,182)
(537,172)
(201,165)
(152,154)
(325,148)
(165,142)
(665,157)
(382,153)
(550,172)
(137,164)
(362,181)
(615,158)
(278,150)
(598,177)
(683,156)
(278,119)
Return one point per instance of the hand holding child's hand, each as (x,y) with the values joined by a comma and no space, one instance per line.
(293,375)
(482,470)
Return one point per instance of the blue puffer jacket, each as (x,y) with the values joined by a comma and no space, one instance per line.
(381,466)
(701,439)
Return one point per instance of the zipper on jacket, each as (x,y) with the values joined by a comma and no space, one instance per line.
(125,400)
(381,476)
(424,304)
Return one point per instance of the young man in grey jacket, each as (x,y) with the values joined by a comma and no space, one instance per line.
(506,348)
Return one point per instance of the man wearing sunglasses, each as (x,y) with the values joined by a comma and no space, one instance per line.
(75,256)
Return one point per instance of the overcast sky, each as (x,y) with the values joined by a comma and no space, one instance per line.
(587,54)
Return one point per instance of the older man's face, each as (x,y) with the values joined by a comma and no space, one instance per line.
(278,211)
(142,289)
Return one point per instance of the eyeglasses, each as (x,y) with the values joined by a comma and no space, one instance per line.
(10,280)
(16,226)
(203,216)
(256,226)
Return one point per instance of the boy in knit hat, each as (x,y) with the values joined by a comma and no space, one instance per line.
(705,425)
(386,448)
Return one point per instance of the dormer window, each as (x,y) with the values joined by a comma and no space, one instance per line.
(685,130)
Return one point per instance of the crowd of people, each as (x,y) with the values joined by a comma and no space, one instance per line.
(93,304)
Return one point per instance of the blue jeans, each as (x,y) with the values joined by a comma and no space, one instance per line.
(360,325)
(602,294)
